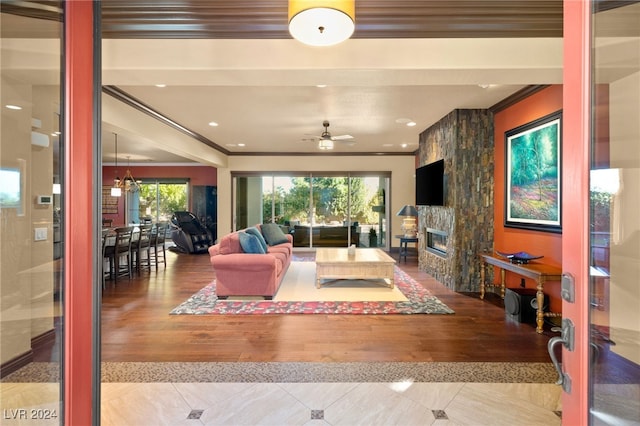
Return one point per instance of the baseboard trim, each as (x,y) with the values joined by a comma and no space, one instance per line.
(40,342)
(45,339)
(16,363)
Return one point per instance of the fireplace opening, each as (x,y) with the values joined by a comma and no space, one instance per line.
(437,241)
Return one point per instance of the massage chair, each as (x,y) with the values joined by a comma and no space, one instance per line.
(189,235)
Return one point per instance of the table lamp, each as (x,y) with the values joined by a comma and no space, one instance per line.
(409,225)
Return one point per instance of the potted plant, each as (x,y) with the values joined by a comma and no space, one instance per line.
(373,238)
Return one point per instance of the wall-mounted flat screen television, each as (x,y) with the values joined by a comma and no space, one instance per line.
(431,184)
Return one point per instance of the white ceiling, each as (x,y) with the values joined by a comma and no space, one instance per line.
(264,94)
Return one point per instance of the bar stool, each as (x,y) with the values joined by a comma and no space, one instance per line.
(158,244)
(142,246)
(120,249)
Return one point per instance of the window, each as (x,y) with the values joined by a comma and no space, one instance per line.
(158,199)
(319,209)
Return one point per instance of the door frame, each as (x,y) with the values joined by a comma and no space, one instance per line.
(576,166)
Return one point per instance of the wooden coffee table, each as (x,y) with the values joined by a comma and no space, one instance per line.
(365,264)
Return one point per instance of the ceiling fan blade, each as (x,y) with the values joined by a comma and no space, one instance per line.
(341,137)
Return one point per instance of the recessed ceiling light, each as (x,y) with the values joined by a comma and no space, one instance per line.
(484,86)
(15,107)
(241,145)
(161,85)
(321,86)
(411,123)
(404,145)
(213,124)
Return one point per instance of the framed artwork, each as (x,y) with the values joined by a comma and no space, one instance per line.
(532,175)
(109,203)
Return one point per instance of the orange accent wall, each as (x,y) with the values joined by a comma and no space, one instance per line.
(197,175)
(546,244)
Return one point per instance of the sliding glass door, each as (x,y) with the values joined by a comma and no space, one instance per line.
(368,209)
(32,216)
(319,210)
(158,199)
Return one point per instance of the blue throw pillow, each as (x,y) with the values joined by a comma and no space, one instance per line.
(273,234)
(250,243)
(255,231)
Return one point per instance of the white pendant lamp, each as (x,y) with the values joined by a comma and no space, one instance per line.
(116,190)
(321,23)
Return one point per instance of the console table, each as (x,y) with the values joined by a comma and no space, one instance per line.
(540,272)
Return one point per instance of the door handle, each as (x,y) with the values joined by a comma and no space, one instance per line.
(567,340)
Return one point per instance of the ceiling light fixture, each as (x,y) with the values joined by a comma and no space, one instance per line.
(325,144)
(116,191)
(128,183)
(321,22)
(326,141)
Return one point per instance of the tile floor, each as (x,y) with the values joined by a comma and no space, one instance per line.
(399,403)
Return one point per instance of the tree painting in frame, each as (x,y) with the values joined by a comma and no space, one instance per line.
(533,174)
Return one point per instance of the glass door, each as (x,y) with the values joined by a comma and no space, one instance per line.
(319,210)
(286,201)
(369,209)
(248,195)
(157,200)
(330,212)
(614,383)
(31,214)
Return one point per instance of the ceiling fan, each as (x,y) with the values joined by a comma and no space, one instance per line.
(325,140)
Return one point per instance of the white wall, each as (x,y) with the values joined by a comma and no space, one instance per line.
(402,170)
(26,274)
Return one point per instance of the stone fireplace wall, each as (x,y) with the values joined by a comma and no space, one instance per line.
(464,139)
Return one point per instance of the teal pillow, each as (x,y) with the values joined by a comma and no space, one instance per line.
(255,231)
(273,234)
(250,243)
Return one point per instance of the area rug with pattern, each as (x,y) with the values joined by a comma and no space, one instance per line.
(414,299)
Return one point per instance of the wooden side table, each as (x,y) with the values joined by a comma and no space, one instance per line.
(404,250)
(540,272)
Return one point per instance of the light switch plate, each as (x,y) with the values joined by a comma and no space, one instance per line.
(40,234)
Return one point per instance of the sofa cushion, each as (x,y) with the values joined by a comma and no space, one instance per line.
(280,248)
(230,244)
(273,234)
(255,231)
(250,243)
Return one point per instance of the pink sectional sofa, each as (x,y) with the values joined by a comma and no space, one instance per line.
(239,273)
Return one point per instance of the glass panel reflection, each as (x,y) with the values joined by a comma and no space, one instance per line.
(615,228)
(31,170)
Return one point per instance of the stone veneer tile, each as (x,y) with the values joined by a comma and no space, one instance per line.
(464,139)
